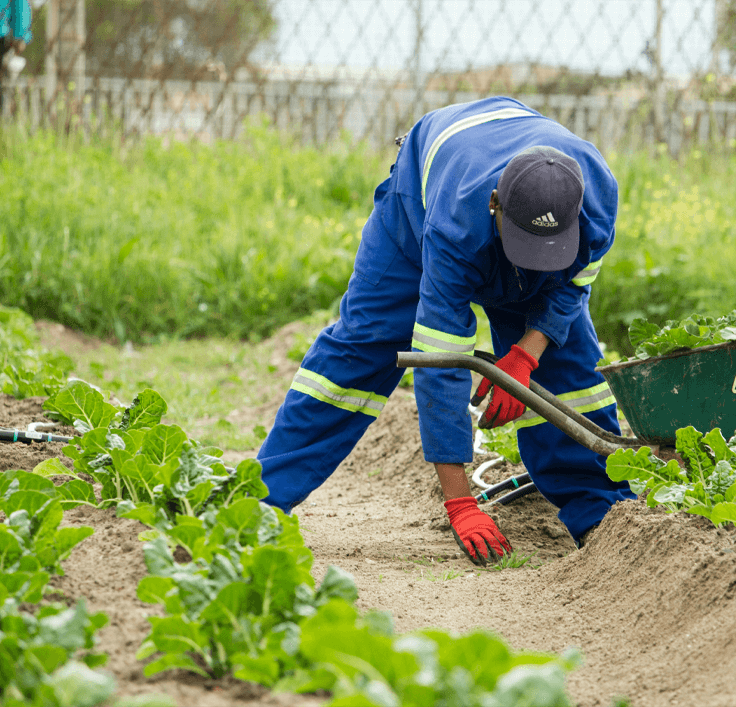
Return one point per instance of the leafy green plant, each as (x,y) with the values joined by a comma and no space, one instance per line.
(235,607)
(362,662)
(243,601)
(673,253)
(648,339)
(24,369)
(513,560)
(706,486)
(503,441)
(34,647)
(31,541)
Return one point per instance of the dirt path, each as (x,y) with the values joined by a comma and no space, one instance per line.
(651,601)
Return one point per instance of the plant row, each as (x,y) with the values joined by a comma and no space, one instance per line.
(24,369)
(233,577)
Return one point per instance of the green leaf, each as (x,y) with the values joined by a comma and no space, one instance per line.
(232,601)
(170,661)
(244,516)
(158,557)
(186,535)
(51,467)
(717,442)
(246,480)
(76,493)
(263,670)
(175,634)
(337,583)
(146,513)
(689,445)
(641,330)
(723,513)
(153,590)
(730,494)
(146,410)
(67,539)
(274,578)
(78,400)
(23,586)
(542,686)
(47,656)
(199,494)
(163,443)
(27,481)
(76,685)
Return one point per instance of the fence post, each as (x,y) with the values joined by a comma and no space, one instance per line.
(417,79)
(659,88)
(65,55)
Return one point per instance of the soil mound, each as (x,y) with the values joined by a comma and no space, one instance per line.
(650,600)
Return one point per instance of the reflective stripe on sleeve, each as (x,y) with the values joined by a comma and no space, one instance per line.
(585,277)
(325,390)
(587,400)
(470,122)
(434,341)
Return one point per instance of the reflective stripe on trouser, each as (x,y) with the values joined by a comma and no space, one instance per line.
(569,475)
(346,376)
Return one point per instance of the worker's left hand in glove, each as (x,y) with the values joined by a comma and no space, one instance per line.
(503,407)
(475,532)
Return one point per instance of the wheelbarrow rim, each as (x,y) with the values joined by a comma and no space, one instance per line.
(674,354)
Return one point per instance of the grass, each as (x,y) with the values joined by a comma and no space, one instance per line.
(513,560)
(178,239)
(213,387)
(204,383)
(445,576)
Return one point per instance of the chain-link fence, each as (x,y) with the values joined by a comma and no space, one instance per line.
(618,72)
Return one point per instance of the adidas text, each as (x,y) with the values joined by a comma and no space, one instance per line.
(548,221)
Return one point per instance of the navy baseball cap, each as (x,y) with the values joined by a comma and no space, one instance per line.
(541,193)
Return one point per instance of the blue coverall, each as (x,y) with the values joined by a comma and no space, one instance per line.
(429,249)
(15,19)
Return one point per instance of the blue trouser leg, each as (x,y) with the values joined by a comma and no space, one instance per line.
(569,475)
(356,356)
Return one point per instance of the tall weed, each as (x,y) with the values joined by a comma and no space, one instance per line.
(139,240)
(179,238)
(674,252)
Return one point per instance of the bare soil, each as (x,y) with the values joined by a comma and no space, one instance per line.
(650,600)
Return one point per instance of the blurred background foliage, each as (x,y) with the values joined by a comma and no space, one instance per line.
(153,239)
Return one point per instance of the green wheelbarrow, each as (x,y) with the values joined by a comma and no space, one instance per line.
(657,396)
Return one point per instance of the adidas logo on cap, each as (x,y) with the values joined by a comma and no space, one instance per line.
(548,221)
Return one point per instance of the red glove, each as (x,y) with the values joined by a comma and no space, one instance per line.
(503,407)
(475,532)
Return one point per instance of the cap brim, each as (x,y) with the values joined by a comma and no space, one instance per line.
(545,253)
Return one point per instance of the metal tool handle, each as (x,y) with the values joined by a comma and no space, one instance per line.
(559,414)
(569,411)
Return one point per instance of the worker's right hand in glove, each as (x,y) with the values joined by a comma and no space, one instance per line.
(503,407)
(475,532)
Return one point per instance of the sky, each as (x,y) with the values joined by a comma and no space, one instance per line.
(605,35)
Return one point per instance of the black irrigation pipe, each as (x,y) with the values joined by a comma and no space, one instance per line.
(26,437)
(513,482)
(513,495)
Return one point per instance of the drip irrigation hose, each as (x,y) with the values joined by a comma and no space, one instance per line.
(30,437)
(513,482)
(514,495)
(478,473)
